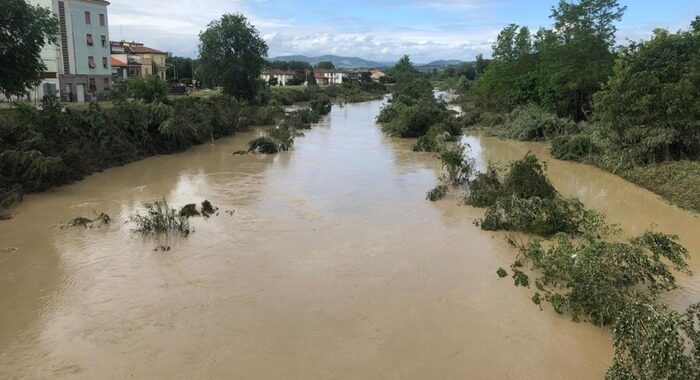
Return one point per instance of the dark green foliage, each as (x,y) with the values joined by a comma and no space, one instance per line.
(573,148)
(438,193)
(264,145)
(484,189)
(526,201)
(538,216)
(532,123)
(148,89)
(413,109)
(24,30)
(559,68)
(594,279)
(653,342)
(619,283)
(52,146)
(434,141)
(456,166)
(501,272)
(526,179)
(652,102)
(231,56)
(283,136)
(322,105)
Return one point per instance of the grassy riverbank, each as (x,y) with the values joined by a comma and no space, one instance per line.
(677,181)
(351,91)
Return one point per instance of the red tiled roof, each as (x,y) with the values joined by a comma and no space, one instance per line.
(145,49)
(118,63)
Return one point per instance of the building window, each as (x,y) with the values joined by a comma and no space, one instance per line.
(104,62)
(87,17)
(106,83)
(104,41)
(93,88)
(102,19)
(89,40)
(91,62)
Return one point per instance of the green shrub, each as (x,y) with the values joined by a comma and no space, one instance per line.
(484,189)
(456,166)
(539,216)
(530,123)
(573,148)
(263,144)
(438,193)
(526,179)
(322,105)
(433,141)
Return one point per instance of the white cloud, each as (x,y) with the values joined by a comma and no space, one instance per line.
(464,29)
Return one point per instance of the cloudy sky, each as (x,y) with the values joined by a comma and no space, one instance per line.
(380,30)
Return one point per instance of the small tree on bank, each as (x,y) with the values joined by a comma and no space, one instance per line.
(231,56)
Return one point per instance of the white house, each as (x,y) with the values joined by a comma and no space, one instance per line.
(326,77)
(280,75)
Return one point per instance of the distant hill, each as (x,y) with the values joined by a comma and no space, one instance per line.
(442,63)
(338,61)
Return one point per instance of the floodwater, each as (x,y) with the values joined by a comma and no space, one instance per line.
(333,266)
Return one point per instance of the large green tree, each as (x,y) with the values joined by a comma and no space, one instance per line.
(559,68)
(24,30)
(652,102)
(231,56)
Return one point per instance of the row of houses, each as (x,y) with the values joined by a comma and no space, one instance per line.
(84,64)
(323,77)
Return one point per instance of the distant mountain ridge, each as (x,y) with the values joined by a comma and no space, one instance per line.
(338,61)
(361,63)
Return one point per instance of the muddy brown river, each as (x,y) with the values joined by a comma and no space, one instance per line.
(333,266)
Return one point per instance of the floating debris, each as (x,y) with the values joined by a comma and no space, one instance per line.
(208,209)
(189,210)
(100,220)
(8,250)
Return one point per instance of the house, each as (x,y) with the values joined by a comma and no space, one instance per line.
(359,74)
(50,54)
(377,75)
(78,65)
(84,36)
(141,60)
(326,77)
(280,77)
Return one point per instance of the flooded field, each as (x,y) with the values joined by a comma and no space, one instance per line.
(333,265)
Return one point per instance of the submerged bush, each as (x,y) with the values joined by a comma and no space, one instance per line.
(434,140)
(573,148)
(263,144)
(539,216)
(99,221)
(534,123)
(527,201)
(484,189)
(160,218)
(438,193)
(526,178)
(322,105)
(456,166)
